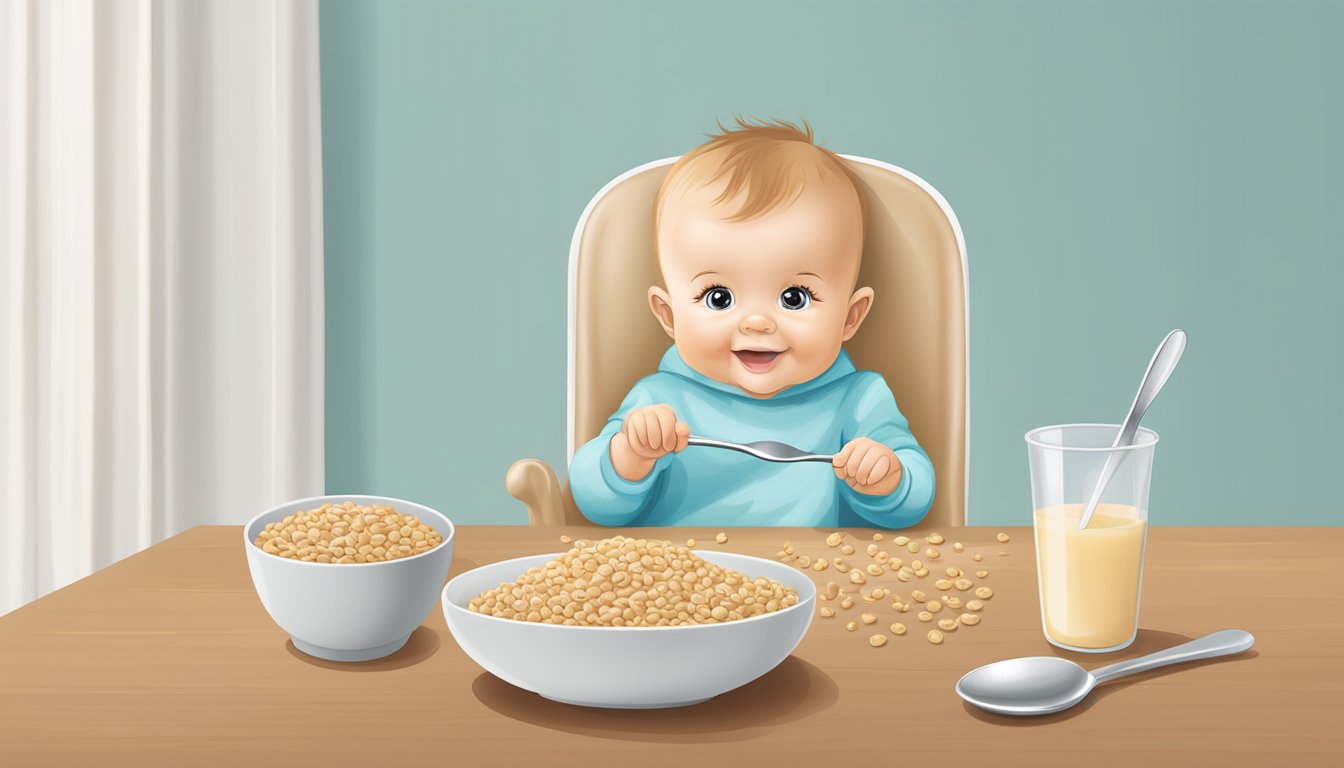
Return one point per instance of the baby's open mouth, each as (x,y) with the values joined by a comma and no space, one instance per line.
(757,360)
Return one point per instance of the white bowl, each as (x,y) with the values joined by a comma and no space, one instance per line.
(628,667)
(353,611)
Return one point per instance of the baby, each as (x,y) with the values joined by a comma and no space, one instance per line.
(759,236)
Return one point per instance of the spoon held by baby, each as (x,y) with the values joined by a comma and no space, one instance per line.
(766,450)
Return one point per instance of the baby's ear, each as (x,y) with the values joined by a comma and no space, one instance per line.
(859,305)
(661,304)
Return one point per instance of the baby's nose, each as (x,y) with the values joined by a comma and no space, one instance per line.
(757,323)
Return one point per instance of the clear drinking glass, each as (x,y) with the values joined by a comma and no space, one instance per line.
(1089,579)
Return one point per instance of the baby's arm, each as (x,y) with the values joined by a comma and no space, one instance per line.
(615,476)
(874,417)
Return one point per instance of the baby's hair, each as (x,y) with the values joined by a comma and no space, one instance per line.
(769,159)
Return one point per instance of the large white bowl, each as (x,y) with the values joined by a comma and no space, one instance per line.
(353,611)
(628,667)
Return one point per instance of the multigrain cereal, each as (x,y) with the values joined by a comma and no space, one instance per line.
(348,533)
(625,582)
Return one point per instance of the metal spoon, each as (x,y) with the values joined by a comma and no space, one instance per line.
(1039,685)
(767,450)
(1164,361)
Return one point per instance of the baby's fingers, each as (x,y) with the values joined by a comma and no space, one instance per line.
(637,432)
(855,461)
(653,428)
(866,465)
(879,471)
(666,427)
(683,434)
(842,458)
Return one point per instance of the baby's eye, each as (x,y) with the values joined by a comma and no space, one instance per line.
(718,298)
(795,298)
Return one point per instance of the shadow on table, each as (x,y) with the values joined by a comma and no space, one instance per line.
(793,690)
(1147,641)
(421,645)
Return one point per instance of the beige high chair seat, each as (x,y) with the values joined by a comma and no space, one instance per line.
(916,334)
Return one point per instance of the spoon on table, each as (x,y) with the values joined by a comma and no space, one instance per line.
(1039,685)
(766,450)
(1164,361)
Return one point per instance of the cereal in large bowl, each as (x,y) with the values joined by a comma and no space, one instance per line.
(641,632)
(627,582)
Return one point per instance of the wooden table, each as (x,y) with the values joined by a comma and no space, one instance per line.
(167,658)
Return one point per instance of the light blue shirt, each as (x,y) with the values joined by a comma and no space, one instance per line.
(714,487)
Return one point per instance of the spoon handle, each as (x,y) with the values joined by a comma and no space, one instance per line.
(1164,361)
(1223,643)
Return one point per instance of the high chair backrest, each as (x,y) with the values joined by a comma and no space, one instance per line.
(914,258)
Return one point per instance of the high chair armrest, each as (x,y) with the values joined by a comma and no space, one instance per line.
(533,482)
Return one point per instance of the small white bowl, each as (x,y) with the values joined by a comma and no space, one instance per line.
(628,667)
(352,611)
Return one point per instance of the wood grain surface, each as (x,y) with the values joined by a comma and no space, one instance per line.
(168,658)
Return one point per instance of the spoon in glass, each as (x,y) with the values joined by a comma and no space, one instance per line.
(1039,685)
(1164,361)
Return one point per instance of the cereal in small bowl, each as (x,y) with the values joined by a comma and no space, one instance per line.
(339,595)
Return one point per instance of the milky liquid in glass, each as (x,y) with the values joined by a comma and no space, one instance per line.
(1089,580)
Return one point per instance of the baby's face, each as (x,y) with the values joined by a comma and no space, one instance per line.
(762,304)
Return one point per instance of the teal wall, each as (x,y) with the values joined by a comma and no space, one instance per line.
(1119,169)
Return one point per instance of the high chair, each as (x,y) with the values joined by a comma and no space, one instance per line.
(914,258)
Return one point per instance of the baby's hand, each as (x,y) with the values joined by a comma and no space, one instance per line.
(647,435)
(868,466)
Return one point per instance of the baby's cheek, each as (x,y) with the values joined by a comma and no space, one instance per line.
(816,343)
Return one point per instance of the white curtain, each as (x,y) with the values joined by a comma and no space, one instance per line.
(161,318)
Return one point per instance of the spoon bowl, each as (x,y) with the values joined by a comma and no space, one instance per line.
(1036,685)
